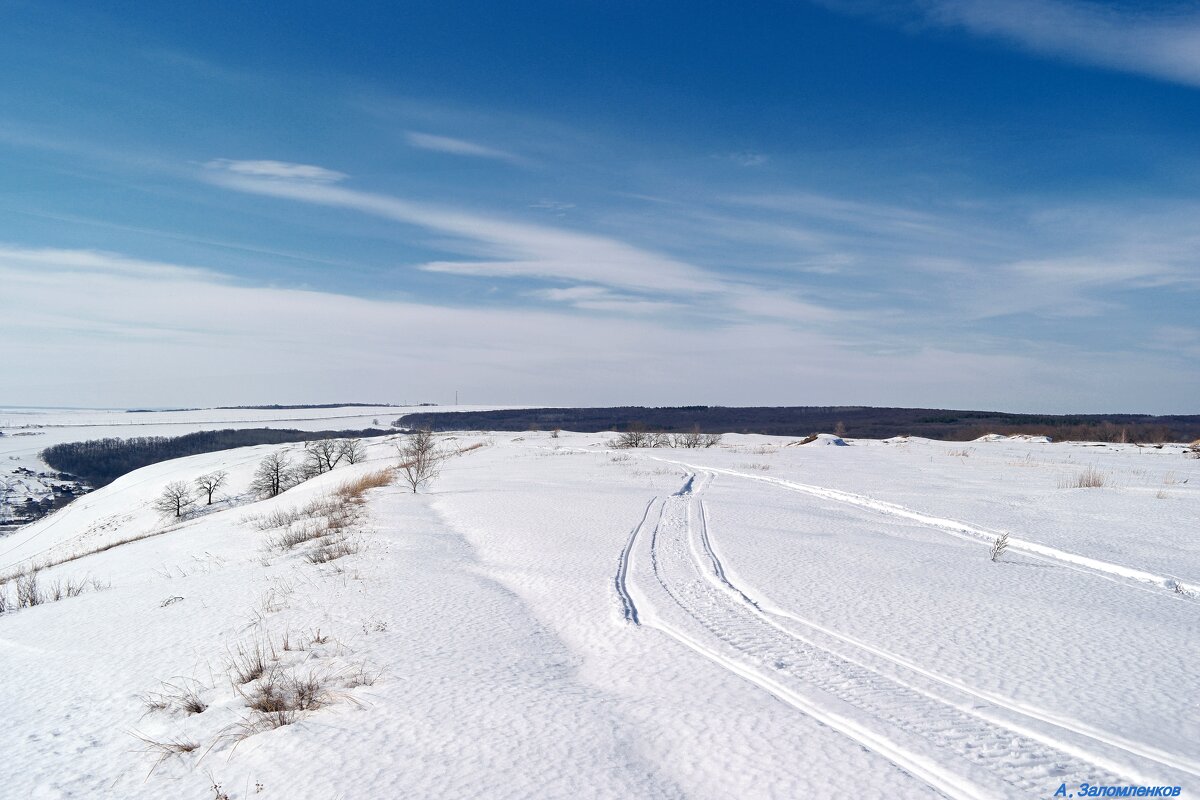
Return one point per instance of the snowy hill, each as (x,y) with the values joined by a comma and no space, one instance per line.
(553,618)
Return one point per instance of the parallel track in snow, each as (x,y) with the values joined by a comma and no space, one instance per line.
(962,744)
(628,609)
(1120,573)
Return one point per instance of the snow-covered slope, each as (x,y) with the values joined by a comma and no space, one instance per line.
(556,619)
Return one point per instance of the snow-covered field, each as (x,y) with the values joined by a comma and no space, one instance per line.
(553,618)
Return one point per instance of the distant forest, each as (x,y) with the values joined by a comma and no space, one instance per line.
(862,422)
(273,407)
(99,462)
(277,407)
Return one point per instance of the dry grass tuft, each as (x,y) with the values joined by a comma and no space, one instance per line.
(1090,478)
(297,535)
(249,663)
(280,696)
(354,490)
(332,550)
(359,676)
(165,748)
(279,518)
(183,696)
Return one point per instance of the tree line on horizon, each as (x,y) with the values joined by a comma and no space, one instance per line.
(98,462)
(863,422)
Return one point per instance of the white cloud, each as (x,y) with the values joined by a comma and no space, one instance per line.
(109,330)
(598,298)
(281,170)
(1145,39)
(458,147)
(511,248)
(55,261)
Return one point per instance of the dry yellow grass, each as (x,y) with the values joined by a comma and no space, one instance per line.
(354,490)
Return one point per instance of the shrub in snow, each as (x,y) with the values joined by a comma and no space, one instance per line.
(999,546)
(420,458)
(29,594)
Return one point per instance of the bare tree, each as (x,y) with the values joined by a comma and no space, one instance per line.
(420,458)
(710,440)
(274,475)
(657,439)
(689,439)
(175,500)
(353,450)
(208,484)
(634,436)
(323,455)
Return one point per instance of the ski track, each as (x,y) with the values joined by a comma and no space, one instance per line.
(974,533)
(962,743)
(627,606)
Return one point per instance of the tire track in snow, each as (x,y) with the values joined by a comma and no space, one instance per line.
(1069,735)
(958,753)
(627,606)
(962,530)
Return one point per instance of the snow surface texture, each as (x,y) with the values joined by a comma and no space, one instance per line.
(553,618)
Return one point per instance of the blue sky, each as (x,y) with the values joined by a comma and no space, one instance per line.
(952,204)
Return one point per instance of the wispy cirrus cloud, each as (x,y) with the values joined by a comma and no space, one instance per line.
(1145,39)
(599,298)
(603,273)
(506,248)
(281,170)
(60,261)
(212,339)
(459,147)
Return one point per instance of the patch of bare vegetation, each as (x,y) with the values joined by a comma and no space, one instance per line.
(165,748)
(277,693)
(327,520)
(328,551)
(637,436)
(250,660)
(30,590)
(354,490)
(1090,478)
(182,695)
